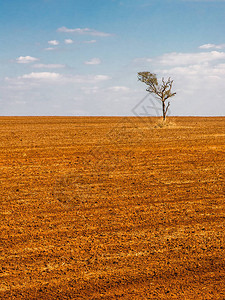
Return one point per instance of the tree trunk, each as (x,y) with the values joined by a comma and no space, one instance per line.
(164,110)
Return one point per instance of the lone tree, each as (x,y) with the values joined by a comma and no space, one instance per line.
(162,91)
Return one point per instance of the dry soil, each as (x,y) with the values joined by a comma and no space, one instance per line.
(112,208)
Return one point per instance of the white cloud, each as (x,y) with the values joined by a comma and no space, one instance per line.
(68,41)
(93,61)
(50,49)
(41,75)
(119,89)
(53,42)
(26,59)
(196,67)
(200,72)
(84,79)
(56,77)
(82,31)
(90,42)
(90,90)
(212,46)
(172,59)
(101,77)
(49,66)
(198,80)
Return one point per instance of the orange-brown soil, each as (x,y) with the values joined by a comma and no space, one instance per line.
(112,208)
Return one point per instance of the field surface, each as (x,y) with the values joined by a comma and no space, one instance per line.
(112,208)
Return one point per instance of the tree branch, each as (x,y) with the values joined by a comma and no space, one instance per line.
(167,107)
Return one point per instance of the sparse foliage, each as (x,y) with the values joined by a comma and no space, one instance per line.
(162,91)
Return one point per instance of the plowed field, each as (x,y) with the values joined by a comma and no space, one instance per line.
(112,208)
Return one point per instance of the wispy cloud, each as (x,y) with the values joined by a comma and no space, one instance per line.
(199,73)
(90,90)
(57,78)
(198,79)
(49,66)
(212,46)
(194,65)
(26,59)
(119,89)
(53,42)
(41,75)
(93,61)
(84,31)
(50,49)
(172,59)
(68,41)
(97,78)
(90,42)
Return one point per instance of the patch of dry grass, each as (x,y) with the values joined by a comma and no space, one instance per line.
(164,124)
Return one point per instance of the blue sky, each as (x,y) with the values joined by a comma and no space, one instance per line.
(76,57)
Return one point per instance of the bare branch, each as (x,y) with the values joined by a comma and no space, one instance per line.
(167,107)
